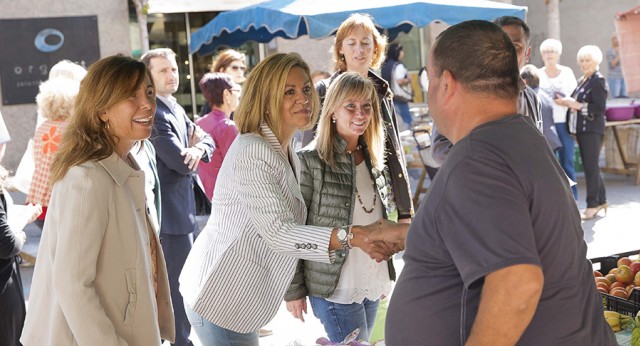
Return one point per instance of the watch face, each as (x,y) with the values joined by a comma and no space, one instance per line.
(342,234)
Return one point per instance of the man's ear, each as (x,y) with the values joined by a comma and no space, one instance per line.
(449,84)
(527,55)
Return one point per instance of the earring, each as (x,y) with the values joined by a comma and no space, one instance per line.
(106,125)
(333,120)
(342,58)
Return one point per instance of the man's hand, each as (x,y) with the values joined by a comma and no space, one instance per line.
(195,135)
(393,234)
(192,157)
(298,308)
(502,319)
(371,240)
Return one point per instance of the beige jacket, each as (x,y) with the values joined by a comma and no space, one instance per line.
(92,282)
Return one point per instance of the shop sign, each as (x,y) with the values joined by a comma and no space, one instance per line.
(32,45)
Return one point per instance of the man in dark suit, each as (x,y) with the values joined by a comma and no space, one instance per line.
(180,145)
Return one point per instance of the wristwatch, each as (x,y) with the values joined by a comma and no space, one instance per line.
(344,236)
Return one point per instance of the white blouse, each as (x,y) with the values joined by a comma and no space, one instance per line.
(362,277)
(564,83)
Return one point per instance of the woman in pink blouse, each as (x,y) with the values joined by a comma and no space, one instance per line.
(222,94)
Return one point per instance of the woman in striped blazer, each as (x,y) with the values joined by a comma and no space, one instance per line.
(236,275)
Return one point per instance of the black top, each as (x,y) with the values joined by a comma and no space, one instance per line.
(10,246)
(592,93)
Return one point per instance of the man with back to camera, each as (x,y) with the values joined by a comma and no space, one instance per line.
(180,145)
(495,255)
(528,103)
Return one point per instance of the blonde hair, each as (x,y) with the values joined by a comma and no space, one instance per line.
(56,97)
(86,138)
(350,85)
(263,94)
(67,69)
(365,22)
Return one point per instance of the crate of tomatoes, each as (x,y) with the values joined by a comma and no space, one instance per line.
(618,281)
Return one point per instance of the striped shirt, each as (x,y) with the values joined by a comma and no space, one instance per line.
(240,266)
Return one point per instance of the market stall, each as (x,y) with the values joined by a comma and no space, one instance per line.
(622,140)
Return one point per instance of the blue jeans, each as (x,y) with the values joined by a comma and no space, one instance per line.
(176,248)
(402,109)
(213,335)
(566,153)
(339,320)
(617,88)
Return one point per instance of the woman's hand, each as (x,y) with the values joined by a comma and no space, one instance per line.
(568,102)
(381,239)
(34,210)
(298,308)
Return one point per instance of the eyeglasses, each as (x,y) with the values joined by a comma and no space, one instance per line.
(236,68)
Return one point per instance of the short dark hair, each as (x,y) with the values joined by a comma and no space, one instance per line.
(213,86)
(511,20)
(480,56)
(530,75)
(393,52)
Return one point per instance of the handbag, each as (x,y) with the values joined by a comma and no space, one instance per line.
(572,120)
(203,204)
(402,93)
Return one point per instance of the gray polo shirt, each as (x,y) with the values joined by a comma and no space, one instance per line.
(493,204)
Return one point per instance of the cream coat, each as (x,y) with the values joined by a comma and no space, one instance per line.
(92,283)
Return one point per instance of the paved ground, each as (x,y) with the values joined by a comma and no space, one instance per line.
(617,232)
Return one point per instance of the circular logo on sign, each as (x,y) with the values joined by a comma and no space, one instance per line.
(41,40)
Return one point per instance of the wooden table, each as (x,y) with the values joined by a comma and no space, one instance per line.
(630,168)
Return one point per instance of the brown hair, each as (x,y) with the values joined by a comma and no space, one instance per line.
(157,53)
(86,138)
(213,85)
(263,94)
(226,58)
(365,22)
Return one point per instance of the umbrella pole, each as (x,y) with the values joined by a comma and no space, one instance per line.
(194,105)
(262,51)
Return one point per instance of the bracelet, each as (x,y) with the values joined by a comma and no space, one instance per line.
(349,237)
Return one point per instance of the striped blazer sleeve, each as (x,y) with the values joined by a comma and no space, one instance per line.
(267,201)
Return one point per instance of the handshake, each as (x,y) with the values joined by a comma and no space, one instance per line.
(381,239)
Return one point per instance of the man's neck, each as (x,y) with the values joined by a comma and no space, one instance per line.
(478,110)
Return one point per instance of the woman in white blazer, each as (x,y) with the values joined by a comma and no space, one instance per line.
(235,277)
(101,278)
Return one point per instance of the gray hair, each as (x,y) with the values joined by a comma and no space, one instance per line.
(551,44)
(592,52)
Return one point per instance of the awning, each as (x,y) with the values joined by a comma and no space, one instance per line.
(321,18)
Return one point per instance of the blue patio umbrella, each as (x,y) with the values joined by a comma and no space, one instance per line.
(321,18)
